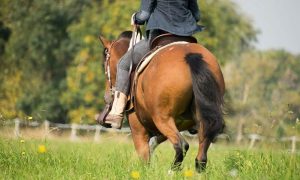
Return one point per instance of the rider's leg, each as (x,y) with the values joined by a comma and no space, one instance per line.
(115,117)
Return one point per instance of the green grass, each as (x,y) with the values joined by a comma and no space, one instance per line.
(116,159)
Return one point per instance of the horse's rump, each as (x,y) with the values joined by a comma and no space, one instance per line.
(167,85)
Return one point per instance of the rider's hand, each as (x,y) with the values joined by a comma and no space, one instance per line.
(137,21)
(132,22)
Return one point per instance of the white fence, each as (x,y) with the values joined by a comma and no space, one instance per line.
(49,127)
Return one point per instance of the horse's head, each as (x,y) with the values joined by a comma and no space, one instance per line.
(113,51)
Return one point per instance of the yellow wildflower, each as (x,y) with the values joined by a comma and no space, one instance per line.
(42,149)
(188,173)
(135,175)
(22,141)
(29,118)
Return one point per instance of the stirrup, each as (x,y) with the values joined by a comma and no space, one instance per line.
(101,118)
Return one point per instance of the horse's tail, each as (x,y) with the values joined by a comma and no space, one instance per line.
(207,96)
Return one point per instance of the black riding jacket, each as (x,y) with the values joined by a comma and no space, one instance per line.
(178,17)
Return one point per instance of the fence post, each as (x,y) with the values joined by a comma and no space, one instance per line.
(293,144)
(97,133)
(46,124)
(73,136)
(17,128)
(252,143)
(253,138)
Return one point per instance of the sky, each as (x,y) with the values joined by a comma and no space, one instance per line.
(278,22)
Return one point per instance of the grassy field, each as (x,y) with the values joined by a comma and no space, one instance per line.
(115,158)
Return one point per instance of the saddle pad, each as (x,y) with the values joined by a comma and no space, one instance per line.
(147,59)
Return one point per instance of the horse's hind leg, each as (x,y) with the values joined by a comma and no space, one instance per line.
(201,159)
(140,137)
(168,128)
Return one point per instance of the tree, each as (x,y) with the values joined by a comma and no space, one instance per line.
(264,89)
(4,36)
(38,53)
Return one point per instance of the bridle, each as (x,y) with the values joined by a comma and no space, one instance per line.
(107,70)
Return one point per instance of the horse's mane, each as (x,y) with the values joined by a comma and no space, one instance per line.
(125,34)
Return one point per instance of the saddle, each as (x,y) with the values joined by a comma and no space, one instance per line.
(168,38)
(156,44)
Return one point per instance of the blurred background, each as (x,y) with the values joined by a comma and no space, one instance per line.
(50,60)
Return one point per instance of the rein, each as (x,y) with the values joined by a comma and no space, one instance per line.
(108,97)
(136,37)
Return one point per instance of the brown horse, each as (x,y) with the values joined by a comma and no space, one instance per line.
(181,88)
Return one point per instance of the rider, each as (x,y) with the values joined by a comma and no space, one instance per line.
(178,17)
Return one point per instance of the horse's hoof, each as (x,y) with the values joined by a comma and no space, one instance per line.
(200,166)
(176,167)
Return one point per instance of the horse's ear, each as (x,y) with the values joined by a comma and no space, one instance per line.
(106,43)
